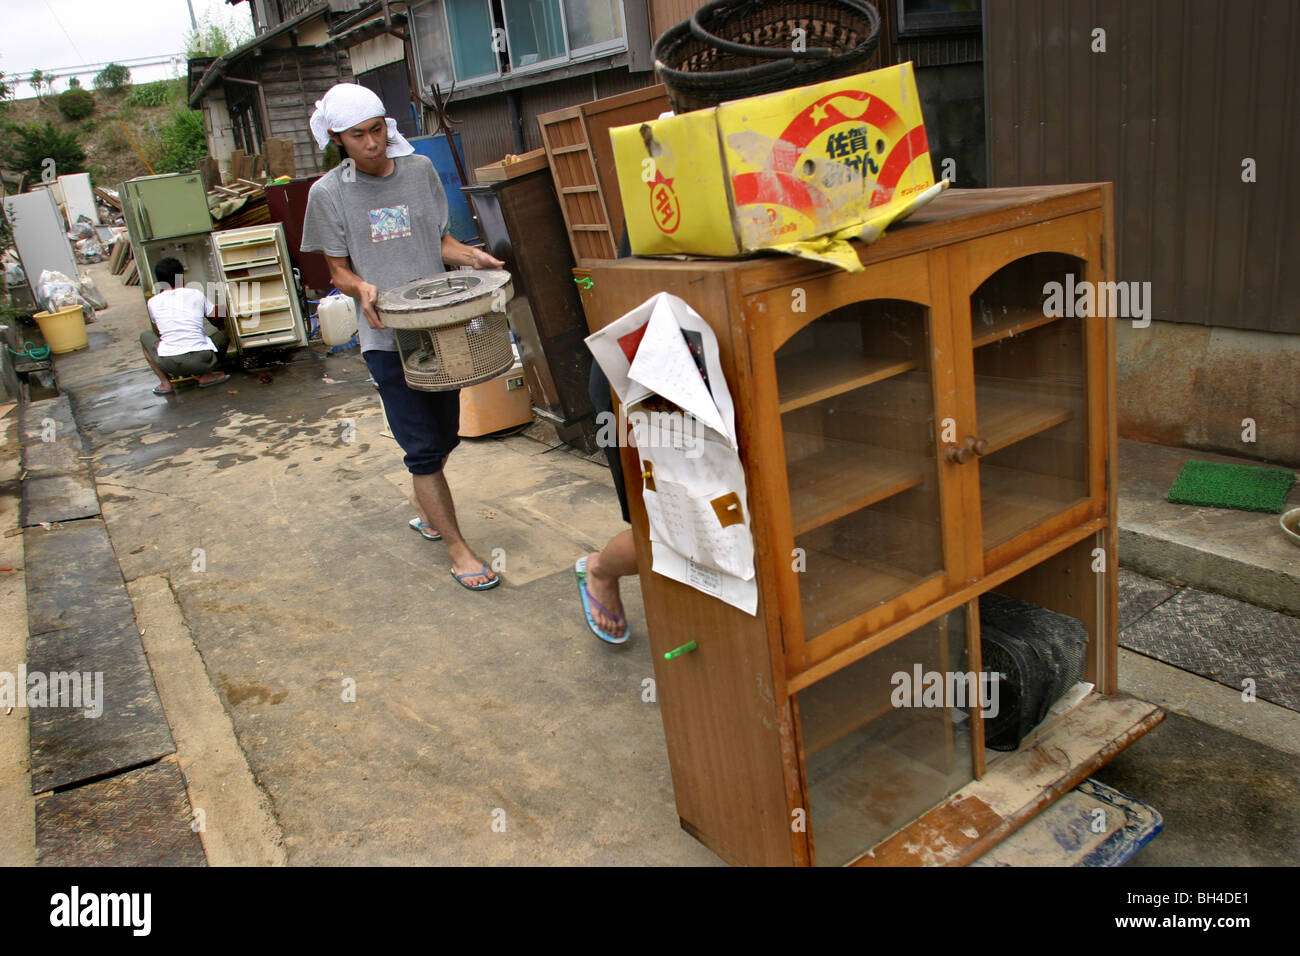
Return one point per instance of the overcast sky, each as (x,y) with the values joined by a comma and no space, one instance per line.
(54,34)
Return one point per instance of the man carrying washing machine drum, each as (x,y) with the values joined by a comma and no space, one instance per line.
(381,220)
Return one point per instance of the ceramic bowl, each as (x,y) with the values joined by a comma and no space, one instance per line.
(1290,522)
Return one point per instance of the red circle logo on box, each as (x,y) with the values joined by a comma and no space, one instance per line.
(664,204)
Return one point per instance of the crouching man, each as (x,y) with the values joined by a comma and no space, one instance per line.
(186,343)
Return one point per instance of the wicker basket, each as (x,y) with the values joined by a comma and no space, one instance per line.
(731,49)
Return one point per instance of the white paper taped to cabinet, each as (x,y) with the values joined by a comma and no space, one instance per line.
(646,352)
(693,484)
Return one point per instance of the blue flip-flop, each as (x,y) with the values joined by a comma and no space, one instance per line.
(427,531)
(580,572)
(483,572)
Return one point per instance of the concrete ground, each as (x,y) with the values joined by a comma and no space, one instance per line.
(336,698)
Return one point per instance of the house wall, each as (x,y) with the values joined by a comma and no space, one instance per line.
(293,79)
(375,53)
(1182,95)
(216,121)
(1169,109)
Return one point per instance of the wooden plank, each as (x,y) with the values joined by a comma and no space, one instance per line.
(1019,785)
(280,159)
(238,166)
(511,167)
(209,171)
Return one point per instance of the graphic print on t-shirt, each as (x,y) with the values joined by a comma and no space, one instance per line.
(390,222)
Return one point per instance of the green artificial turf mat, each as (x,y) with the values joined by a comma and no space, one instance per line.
(1244,487)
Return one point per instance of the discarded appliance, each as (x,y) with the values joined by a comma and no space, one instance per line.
(451,329)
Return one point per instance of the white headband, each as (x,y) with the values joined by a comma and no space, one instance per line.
(346,105)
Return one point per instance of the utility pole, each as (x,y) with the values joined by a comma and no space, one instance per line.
(194,25)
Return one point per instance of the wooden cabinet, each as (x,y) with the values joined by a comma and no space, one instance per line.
(520,223)
(913,436)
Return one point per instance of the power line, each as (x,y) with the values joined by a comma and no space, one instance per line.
(64,29)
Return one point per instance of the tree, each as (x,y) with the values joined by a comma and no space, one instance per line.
(37,79)
(113,78)
(76,103)
(6,92)
(211,39)
(74,83)
(33,145)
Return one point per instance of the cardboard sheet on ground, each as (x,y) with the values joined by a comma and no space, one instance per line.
(693,484)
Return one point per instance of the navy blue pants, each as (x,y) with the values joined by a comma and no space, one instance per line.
(425,424)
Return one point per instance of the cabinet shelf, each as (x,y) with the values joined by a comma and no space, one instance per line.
(845,477)
(1009,414)
(809,377)
(847,589)
(1014,322)
(1013,501)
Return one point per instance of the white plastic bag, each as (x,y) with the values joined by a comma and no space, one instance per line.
(56,291)
(91,294)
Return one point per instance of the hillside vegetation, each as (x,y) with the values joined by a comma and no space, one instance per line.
(155,115)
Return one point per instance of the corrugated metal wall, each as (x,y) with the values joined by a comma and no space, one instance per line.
(1185,92)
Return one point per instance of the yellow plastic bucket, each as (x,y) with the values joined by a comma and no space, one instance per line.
(64,330)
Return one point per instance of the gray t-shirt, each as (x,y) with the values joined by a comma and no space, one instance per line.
(391,227)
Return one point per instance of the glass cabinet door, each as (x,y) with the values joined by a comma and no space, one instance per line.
(1031,406)
(886,738)
(857,418)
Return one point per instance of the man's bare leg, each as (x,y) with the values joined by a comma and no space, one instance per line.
(437,508)
(166,385)
(419,509)
(604,568)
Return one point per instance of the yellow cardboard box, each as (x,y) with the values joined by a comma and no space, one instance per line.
(836,160)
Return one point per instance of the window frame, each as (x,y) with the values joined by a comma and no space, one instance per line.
(930,23)
(572,54)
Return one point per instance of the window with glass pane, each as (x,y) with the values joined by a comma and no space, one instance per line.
(535,29)
(592,22)
(1030,399)
(432,49)
(858,419)
(470,24)
(886,738)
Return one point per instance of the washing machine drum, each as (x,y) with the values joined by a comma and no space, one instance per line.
(452,330)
